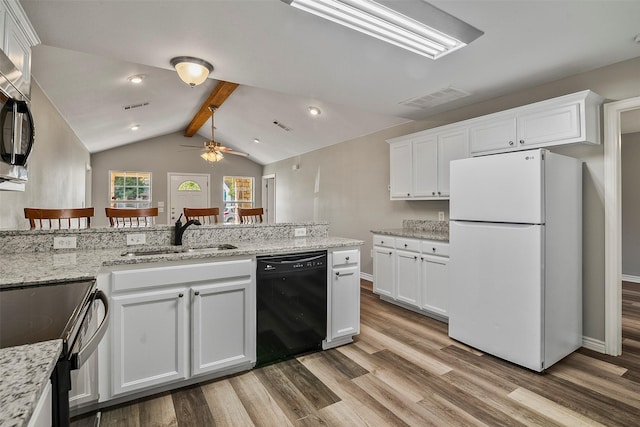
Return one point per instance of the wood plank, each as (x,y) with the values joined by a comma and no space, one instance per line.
(121,416)
(365,406)
(308,384)
(560,414)
(191,407)
(158,411)
(216,98)
(225,405)
(261,407)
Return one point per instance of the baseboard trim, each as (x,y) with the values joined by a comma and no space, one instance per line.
(593,344)
(630,278)
(366,276)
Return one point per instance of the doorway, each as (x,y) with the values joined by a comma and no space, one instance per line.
(269,198)
(613,222)
(189,190)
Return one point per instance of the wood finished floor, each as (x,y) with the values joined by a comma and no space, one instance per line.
(403,370)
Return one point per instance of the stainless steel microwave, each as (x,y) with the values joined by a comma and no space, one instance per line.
(16,125)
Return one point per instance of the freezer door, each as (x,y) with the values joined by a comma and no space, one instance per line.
(499,188)
(496,292)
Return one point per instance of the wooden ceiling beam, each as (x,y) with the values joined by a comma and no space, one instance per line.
(219,94)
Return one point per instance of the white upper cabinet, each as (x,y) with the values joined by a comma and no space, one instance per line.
(419,163)
(18,37)
(568,119)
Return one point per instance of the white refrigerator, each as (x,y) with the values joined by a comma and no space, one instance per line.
(516,256)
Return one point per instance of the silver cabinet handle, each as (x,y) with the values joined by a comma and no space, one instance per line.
(510,142)
(343,274)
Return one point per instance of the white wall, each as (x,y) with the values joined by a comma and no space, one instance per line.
(346,184)
(57,167)
(162,155)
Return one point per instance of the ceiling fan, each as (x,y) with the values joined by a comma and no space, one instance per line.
(213,151)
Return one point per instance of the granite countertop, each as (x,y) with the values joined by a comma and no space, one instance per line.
(38,268)
(437,235)
(24,372)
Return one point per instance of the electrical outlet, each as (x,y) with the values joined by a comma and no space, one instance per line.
(64,243)
(136,239)
(300,232)
(440,216)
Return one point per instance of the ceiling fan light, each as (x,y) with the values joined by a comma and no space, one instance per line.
(212,156)
(192,71)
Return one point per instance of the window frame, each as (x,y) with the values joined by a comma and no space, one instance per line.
(231,215)
(135,203)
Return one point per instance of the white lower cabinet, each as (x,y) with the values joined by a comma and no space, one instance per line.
(413,273)
(343,310)
(174,322)
(383,271)
(408,277)
(435,284)
(149,347)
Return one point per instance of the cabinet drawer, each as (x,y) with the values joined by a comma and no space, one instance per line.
(147,277)
(386,241)
(408,244)
(435,248)
(344,258)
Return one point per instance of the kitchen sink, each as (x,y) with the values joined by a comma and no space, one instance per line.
(168,251)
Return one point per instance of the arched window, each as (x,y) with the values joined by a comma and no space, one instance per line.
(189,186)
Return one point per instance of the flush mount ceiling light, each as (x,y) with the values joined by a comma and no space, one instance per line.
(135,127)
(415,26)
(256,140)
(136,78)
(314,111)
(192,71)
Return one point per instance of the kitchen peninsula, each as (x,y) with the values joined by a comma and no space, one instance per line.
(29,259)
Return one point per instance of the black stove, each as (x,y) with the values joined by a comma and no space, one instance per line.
(57,311)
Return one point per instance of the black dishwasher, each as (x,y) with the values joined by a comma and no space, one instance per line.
(291,305)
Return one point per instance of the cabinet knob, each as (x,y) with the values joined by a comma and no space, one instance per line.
(390,253)
(337,273)
(346,258)
(433,193)
(438,193)
(510,142)
(196,293)
(408,194)
(180,295)
(415,258)
(405,245)
(522,141)
(433,249)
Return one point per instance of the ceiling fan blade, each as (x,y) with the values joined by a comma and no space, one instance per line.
(191,146)
(230,151)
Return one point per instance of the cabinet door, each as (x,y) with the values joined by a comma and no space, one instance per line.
(345,302)
(554,125)
(425,167)
(17,48)
(222,325)
(451,146)
(400,170)
(408,277)
(149,333)
(383,271)
(493,134)
(435,284)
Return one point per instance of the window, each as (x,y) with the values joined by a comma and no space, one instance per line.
(189,186)
(237,192)
(130,189)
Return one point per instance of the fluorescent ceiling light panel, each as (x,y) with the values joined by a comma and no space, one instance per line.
(412,25)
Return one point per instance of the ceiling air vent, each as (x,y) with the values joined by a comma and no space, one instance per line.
(440,97)
(132,106)
(282,126)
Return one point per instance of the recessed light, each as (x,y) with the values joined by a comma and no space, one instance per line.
(256,140)
(135,127)
(136,78)
(314,111)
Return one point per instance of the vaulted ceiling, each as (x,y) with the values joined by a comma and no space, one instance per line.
(286,60)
